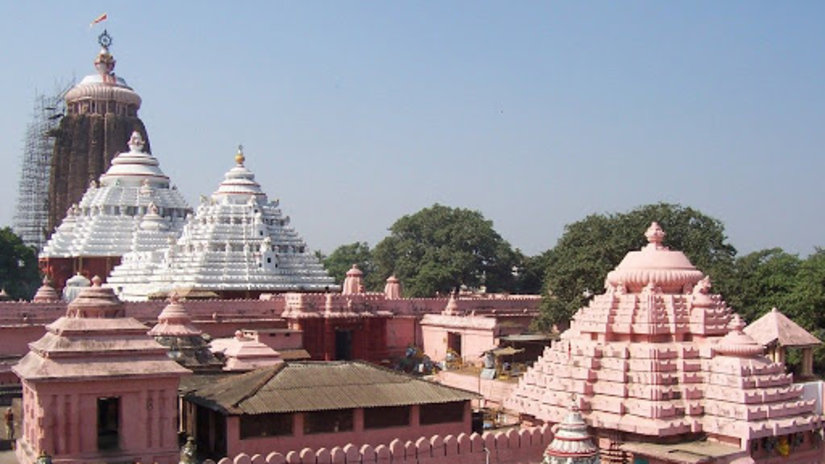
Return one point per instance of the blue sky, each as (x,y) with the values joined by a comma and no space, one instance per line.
(534,113)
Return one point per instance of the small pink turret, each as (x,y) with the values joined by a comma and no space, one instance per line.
(392,290)
(174,321)
(354,282)
(46,293)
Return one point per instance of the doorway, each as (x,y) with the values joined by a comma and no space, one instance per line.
(343,345)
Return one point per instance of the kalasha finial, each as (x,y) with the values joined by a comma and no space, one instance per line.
(105,62)
(655,234)
(736,323)
(136,142)
(239,157)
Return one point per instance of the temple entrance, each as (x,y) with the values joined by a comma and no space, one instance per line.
(454,342)
(108,423)
(343,345)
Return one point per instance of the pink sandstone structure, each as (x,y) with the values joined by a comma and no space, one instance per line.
(97,388)
(777,333)
(659,365)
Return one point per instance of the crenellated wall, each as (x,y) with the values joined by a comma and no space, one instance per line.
(515,446)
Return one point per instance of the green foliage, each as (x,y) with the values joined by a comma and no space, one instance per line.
(762,280)
(439,249)
(341,260)
(18,266)
(590,248)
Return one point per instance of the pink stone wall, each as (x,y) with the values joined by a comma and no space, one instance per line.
(474,342)
(402,331)
(61,419)
(358,436)
(515,446)
(493,391)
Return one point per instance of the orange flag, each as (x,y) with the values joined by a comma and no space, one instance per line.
(99,19)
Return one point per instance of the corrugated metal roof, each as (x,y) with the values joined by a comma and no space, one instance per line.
(317,386)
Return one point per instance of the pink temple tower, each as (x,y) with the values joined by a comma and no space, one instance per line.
(662,369)
(97,388)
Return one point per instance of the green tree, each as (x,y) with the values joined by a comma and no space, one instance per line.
(590,248)
(439,249)
(341,260)
(18,266)
(762,280)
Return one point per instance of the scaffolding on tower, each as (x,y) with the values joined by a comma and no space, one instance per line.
(32,213)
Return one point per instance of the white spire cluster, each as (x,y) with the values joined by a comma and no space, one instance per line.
(238,241)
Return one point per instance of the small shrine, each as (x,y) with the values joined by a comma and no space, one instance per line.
(184,341)
(97,388)
(777,333)
(238,244)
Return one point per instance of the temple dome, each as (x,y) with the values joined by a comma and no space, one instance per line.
(239,183)
(135,167)
(96,302)
(670,270)
(571,442)
(737,342)
(103,92)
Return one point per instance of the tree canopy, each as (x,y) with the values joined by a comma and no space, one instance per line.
(590,248)
(342,258)
(19,275)
(439,249)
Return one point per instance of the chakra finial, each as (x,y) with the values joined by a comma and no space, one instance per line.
(239,157)
(104,39)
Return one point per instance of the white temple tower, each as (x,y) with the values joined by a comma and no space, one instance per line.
(237,245)
(133,208)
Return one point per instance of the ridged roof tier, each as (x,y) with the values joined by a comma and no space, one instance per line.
(658,355)
(132,209)
(95,340)
(237,241)
(571,442)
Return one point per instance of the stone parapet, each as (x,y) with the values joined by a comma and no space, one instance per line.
(515,446)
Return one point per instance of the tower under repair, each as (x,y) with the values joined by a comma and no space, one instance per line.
(31,219)
(101,113)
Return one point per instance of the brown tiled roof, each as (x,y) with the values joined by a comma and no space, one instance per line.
(776,327)
(317,386)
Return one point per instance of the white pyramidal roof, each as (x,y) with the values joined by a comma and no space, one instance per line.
(237,241)
(132,209)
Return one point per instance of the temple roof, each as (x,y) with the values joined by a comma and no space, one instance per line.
(319,386)
(775,327)
(94,340)
(659,355)
(237,241)
(132,209)
(104,85)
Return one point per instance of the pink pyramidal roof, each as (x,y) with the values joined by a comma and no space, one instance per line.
(658,355)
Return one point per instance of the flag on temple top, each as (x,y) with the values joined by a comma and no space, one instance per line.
(99,19)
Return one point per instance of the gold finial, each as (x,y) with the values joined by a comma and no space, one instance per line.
(239,157)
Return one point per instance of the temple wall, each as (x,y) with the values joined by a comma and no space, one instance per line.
(515,446)
(474,341)
(61,418)
(493,391)
(359,436)
(402,331)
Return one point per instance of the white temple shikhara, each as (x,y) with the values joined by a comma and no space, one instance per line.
(132,209)
(238,244)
